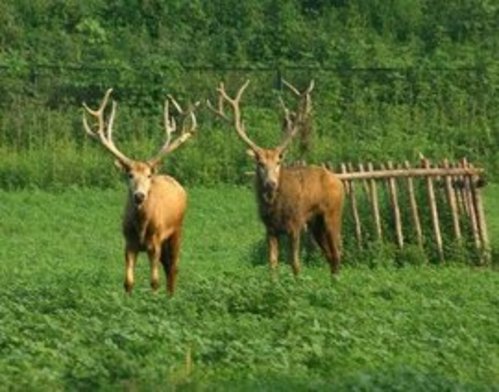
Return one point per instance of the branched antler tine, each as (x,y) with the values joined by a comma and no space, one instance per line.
(171,126)
(105,138)
(99,113)
(308,100)
(87,128)
(292,128)
(220,111)
(176,104)
(221,105)
(287,115)
(241,90)
(194,123)
(111,122)
(189,113)
(310,87)
(291,87)
(304,108)
(283,105)
(238,123)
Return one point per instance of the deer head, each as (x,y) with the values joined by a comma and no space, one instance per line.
(140,174)
(268,160)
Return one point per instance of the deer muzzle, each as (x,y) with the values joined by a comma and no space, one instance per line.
(138,198)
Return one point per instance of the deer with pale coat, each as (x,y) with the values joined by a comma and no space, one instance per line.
(156,203)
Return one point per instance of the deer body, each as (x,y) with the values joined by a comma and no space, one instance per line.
(155,227)
(309,196)
(291,198)
(146,226)
(156,204)
(302,194)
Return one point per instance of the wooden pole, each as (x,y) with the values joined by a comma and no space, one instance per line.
(451,198)
(414,172)
(414,208)
(471,206)
(355,212)
(434,211)
(346,182)
(482,224)
(460,193)
(374,202)
(364,181)
(395,207)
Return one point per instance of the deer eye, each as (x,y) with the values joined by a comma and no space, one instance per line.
(130,176)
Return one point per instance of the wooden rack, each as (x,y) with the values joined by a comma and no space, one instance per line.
(448,189)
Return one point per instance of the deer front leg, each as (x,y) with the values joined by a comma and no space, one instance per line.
(273,245)
(130,260)
(295,251)
(154,254)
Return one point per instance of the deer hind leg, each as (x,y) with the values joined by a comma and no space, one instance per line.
(333,234)
(317,228)
(169,258)
(130,260)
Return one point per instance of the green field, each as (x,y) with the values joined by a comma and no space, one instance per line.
(66,324)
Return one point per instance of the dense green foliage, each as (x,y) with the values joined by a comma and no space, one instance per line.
(66,324)
(394,78)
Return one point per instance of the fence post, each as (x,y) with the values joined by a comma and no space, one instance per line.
(374,203)
(395,207)
(451,198)
(434,211)
(414,208)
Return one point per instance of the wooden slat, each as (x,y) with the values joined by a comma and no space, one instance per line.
(482,224)
(364,182)
(355,212)
(414,208)
(468,183)
(451,199)
(395,207)
(374,202)
(415,172)
(434,211)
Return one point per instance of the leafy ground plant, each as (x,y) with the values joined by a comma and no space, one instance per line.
(66,323)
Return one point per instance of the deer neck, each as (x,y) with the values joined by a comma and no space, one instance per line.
(266,196)
(139,212)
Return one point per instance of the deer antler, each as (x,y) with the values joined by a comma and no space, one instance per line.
(293,120)
(171,127)
(234,102)
(105,138)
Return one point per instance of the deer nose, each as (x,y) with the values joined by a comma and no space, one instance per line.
(138,197)
(271,185)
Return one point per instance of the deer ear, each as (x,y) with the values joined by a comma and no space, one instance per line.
(153,164)
(154,168)
(250,153)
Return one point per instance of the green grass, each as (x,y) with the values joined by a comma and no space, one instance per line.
(66,324)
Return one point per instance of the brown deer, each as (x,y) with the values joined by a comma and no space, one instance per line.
(290,198)
(156,204)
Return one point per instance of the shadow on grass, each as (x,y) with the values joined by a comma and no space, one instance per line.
(310,254)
